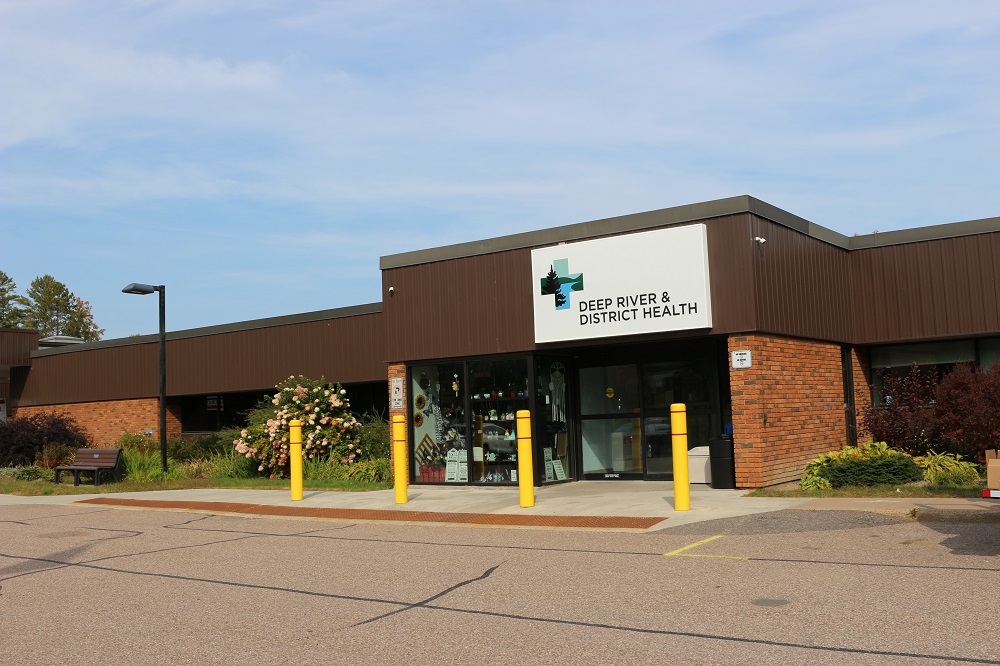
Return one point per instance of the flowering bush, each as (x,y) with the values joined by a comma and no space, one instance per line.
(329,431)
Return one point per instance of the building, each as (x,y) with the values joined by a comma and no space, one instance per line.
(760,322)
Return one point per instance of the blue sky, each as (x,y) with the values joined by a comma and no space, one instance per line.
(259,157)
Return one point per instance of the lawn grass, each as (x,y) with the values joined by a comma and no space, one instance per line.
(10,486)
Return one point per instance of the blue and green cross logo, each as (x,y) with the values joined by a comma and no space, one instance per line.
(559,282)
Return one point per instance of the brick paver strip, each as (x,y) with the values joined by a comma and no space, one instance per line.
(503,519)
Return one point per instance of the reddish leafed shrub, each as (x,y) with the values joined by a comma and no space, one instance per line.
(23,438)
(968,410)
(904,418)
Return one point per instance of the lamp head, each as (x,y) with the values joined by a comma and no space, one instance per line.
(138,288)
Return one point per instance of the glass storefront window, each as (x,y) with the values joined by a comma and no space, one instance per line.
(440,441)
(924,353)
(989,352)
(551,420)
(498,390)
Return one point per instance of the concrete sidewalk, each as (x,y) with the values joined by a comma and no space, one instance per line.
(627,505)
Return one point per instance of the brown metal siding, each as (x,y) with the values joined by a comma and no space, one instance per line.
(730,267)
(801,284)
(345,350)
(16,346)
(482,305)
(102,374)
(932,289)
(462,307)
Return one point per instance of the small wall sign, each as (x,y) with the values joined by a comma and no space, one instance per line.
(396,388)
(742,359)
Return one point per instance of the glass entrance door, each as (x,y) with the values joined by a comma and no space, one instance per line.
(688,381)
(624,407)
(610,423)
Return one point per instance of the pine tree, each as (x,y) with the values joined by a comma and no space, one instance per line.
(55,310)
(552,286)
(11,304)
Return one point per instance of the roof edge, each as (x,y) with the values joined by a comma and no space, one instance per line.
(269,322)
(684,214)
(613,225)
(985,225)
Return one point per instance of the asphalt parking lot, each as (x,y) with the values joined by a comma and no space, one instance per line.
(105,585)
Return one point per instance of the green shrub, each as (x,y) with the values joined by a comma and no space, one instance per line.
(197,469)
(53,455)
(375,435)
(136,441)
(30,473)
(814,482)
(201,447)
(8,472)
(878,471)
(378,469)
(815,476)
(143,466)
(948,469)
(232,465)
(323,470)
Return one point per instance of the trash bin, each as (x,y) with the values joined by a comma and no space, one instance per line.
(722,462)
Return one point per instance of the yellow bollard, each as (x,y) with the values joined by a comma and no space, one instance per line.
(400,471)
(295,456)
(679,445)
(525,469)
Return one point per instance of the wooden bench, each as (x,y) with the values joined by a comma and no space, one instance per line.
(93,460)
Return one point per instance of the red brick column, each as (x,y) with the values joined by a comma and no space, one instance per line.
(397,370)
(788,407)
(105,422)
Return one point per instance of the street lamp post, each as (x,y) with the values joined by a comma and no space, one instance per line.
(145,289)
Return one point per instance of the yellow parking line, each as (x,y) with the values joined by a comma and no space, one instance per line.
(680,551)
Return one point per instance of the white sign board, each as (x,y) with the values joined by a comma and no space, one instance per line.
(742,359)
(396,390)
(647,282)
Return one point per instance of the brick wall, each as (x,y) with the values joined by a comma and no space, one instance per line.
(788,407)
(397,370)
(105,422)
(862,388)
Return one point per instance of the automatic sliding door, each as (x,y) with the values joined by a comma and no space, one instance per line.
(687,381)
